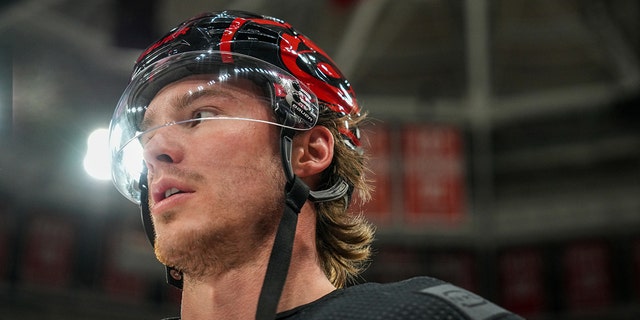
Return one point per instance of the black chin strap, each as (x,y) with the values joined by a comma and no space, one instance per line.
(296,193)
(280,258)
(174,277)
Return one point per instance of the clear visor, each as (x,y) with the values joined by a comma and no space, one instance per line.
(187,89)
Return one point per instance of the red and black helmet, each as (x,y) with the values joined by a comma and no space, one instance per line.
(300,78)
(268,39)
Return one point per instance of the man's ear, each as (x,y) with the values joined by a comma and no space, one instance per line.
(312,152)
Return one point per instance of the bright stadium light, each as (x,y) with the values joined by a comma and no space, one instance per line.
(97,161)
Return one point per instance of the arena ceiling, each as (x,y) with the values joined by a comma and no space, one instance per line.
(481,64)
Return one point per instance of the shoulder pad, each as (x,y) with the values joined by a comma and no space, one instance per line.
(472,305)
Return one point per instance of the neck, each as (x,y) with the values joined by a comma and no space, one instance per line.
(234,293)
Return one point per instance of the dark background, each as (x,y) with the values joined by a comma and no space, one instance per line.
(524,188)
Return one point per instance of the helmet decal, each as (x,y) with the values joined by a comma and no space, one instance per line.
(170,37)
(228,36)
(268,39)
(309,63)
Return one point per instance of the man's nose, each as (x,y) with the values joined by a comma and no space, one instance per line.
(163,147)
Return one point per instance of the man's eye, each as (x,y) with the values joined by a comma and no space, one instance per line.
(203,114)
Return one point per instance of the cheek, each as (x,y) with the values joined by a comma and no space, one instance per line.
(242,150)
(249,140)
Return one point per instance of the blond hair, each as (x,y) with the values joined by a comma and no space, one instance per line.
(343,239)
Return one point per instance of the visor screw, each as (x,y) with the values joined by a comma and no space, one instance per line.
(175,274)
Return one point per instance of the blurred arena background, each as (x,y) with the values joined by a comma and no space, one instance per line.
(505,149)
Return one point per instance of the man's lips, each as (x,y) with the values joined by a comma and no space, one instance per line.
(165,189)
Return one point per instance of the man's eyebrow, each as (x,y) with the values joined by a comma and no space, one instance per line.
(181,102)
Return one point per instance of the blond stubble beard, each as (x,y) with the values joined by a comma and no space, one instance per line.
(212,248)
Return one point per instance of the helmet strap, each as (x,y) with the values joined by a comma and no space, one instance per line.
(296,194)
(174,277)
(143,185)
(341,189)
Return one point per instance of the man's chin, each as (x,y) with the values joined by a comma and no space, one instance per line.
(170,250)
(163,256)
(187,251)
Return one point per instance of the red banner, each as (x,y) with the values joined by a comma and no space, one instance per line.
(48,256)
(522,279)
(376,142)
(434,179)
(125,273)
(588,282)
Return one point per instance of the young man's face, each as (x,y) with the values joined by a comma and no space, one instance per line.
(215,186)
